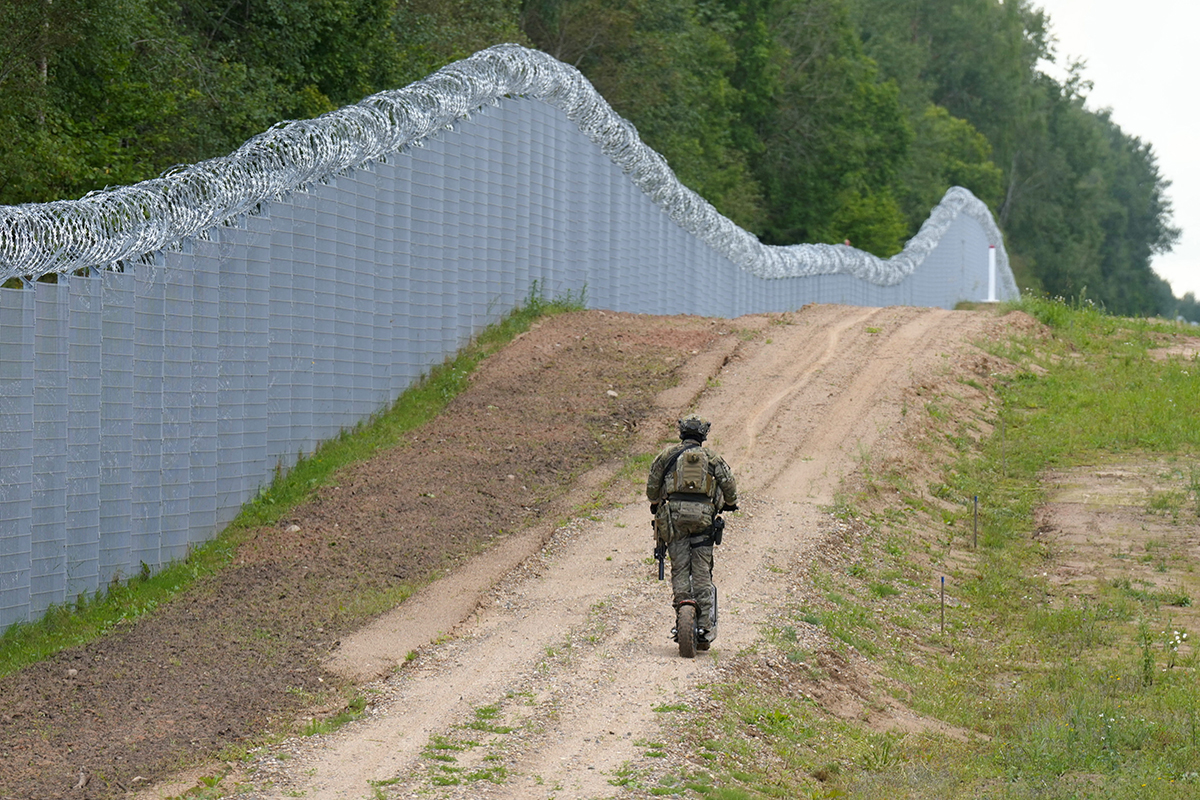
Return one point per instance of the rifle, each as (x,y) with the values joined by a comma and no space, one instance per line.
(660,552)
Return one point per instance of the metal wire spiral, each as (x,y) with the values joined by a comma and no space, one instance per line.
(127,222)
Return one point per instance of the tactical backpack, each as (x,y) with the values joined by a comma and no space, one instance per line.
(693,475)
(691,490)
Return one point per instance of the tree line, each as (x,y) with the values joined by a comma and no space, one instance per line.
(801,120)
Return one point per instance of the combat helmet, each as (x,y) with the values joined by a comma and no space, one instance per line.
(692,427)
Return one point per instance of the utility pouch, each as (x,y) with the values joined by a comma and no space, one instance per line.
(690,518)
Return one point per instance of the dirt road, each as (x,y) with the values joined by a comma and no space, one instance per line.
(549,685)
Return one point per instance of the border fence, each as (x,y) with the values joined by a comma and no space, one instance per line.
(211,326)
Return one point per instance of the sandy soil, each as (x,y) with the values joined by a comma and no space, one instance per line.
(535,670)
(1129,523)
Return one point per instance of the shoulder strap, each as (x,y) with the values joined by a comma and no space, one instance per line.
(688,445)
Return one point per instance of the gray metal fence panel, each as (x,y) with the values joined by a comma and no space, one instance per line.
(176,400)
(83,435)
(16,453)
(148,315)
(116,422)
(48,565)
(141,406)
(203,458)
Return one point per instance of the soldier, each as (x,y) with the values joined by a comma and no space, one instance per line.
(688,486)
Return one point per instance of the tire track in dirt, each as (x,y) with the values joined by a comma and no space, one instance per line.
(550,687)
(861,410)
(798,369)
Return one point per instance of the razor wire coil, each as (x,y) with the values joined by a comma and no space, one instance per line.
(127,222)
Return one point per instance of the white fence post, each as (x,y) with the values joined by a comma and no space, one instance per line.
(991,298)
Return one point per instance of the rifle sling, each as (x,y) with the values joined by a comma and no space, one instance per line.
(688,445)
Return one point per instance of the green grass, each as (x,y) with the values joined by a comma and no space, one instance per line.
(354,710)
(95,615)
(1085,702)
(454,760)
(1091,696)
(485,721)
(1071,692)
(92,616)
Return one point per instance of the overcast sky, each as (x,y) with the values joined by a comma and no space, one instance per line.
(1141,58)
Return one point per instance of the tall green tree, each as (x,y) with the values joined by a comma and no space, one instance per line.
(107,92)
(946,151)
(113,92)
(321,53)
(1093,210)
(664,65)
(36,157)
(1188,308)
(826,132)
(964,68)
(1082,204)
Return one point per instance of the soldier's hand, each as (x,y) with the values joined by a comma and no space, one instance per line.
(654,508)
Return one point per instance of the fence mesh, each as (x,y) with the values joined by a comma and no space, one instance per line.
(229,317)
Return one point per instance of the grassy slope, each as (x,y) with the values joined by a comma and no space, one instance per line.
(1033,692)
(91,616)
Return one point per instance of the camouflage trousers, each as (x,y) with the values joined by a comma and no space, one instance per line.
(691,579)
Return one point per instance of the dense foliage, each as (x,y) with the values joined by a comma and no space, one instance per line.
(802,120)
(1081,202)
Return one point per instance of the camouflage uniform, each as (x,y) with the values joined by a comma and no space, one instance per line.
(681,522)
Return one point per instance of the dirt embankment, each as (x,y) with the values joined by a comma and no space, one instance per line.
(538,662)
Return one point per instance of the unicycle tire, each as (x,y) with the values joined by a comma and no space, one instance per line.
(685,626)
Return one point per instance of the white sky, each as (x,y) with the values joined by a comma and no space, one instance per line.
(1141,58)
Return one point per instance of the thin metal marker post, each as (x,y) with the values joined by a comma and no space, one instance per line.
(975,530)
(1003,452)
(943,604)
